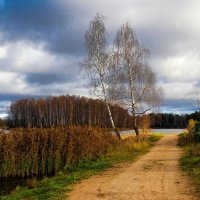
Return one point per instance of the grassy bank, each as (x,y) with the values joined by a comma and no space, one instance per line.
(56,187)
(190,162)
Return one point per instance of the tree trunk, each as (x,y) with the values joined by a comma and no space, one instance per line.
(136,130)
(117,133)
(112,122)
(135,127)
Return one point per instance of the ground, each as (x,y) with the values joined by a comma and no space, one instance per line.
(154,176)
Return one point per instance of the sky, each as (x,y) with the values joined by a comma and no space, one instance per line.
(42,46)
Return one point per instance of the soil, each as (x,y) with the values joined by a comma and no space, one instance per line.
(154,176)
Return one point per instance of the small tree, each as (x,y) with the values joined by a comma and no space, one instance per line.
(145,123)
(96,62)
(133,80)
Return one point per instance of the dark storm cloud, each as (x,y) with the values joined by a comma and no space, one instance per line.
(48,78)
(14,97)
(179,105)
(45,21)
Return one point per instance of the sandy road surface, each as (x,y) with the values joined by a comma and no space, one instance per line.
(154,176)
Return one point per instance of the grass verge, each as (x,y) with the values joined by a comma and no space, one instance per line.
(57,187)
(190,162)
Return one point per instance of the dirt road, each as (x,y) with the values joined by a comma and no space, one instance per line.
(154,176)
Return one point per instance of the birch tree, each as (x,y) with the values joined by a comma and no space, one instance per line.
(133,80)
(96,62)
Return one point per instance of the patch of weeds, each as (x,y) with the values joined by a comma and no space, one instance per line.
(58,186)
(190,163)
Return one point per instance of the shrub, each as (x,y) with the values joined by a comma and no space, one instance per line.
(194,150)
(192,135)
(41,152)
(197,132)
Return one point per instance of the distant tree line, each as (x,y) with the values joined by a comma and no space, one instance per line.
(2,123)
(170,120)
(194,116)
(65,111)
(62,111)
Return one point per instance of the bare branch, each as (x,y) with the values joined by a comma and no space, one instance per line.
(141,113)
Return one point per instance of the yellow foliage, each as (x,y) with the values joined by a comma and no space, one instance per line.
(191,125)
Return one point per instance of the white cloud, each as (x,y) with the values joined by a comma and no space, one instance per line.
(4,107)
(21,58)
(3,115)
(3,52)
(178,90)
(178,75)
(12,83)
(181,67)
(25,57)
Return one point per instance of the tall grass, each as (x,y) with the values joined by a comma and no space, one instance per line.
(41,152)
(190,162)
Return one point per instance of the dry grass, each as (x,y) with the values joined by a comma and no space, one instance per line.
(40,152)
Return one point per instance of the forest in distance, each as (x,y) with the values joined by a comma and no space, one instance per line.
(62,111)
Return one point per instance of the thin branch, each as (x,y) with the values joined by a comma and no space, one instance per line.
(141,113)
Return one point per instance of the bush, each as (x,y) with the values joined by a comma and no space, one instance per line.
(41,152)
(192,135)
(194,150)
(197,132)
(183,139)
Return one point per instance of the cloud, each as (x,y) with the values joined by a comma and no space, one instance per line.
(42,44)
(182,67)
(4,105)
(26,57)
(11,83)
(46,79)
(27,70)
(29,61)
(180,106)
(62,24)
(46,22)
